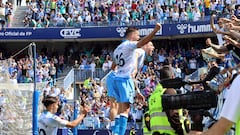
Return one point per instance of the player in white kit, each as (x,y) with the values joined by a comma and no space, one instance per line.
(132,34)
(49,122)
(126,60)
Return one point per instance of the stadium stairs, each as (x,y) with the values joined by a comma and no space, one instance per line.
(18,16)
(62,75)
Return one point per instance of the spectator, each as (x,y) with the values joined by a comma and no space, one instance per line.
(76,65)
(192,64)
(175,15)
(56,90)
(2,16)
(177,71)
(70,20)
(207,4)
(98,62)
(105,66)
(61,62)
(8,13)
(82,66)
(19,2)
(52,72)
(183,16)
(196,15)
(218,29)
(61,21)
(93,66)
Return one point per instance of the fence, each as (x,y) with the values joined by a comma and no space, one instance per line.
(95,132)
(68,80)
(82,75)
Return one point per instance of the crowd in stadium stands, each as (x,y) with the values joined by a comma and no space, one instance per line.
(74,13)
(93,92)
(21,71)
(183,62)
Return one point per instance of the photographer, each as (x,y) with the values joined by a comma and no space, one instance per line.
(230,113)
(169,120)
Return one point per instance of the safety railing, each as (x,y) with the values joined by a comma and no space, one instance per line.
(68,80)
(130,23)
(82,75)
(106,125)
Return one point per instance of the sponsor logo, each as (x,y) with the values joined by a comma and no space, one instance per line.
(188,28)
(70,33)
(181,28)
(142,32)
(121,31)
(96,131)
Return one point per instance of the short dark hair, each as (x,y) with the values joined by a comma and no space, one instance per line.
(48,100)
(166,72)
(130,30)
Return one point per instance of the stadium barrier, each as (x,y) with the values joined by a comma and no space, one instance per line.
(82,75)
(110,32)
(95,132)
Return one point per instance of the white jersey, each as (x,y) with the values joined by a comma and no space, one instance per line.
(231,107)
(141,57)
(124,57)
(49,123)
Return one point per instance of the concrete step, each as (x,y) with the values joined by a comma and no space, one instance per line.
(62,75)
(18,16)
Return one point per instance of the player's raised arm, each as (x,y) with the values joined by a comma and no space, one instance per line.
(149,37)
(212,23)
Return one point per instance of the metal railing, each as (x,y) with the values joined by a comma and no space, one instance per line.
(68,80)
(106,125)
(81,75)
(130,23)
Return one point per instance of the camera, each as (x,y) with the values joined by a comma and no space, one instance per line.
(196,102)
(191,100)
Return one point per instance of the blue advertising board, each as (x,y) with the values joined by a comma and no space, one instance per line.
(95,132)
(101,32)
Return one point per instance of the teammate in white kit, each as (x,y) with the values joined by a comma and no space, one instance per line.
(49,122)
(126,59)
